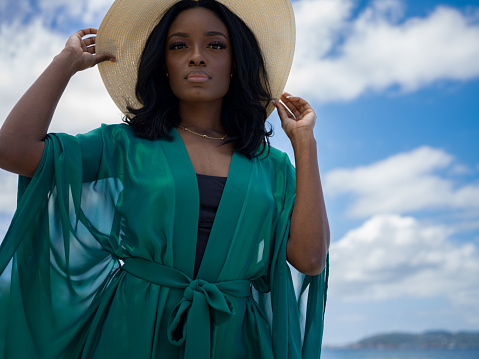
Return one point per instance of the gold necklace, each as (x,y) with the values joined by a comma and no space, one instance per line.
(204,136)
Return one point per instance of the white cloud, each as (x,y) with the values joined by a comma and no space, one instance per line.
(27,49)
(7,8)
(8,200)
(67,15)
(391,256)
(319,24)
(4,223)
(8,192)
(460,169)
(378,50)
(90,11)
(402,183)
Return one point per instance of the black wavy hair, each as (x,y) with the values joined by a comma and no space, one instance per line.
(243,110)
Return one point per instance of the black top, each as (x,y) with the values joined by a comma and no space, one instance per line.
(210,189)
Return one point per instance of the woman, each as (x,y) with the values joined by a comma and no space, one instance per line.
(167,237)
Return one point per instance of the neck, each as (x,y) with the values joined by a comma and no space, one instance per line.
(201,115)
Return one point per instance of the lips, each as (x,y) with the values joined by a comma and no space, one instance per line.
(197,76)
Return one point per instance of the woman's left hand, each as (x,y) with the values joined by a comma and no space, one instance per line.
(308,242)
(300,116)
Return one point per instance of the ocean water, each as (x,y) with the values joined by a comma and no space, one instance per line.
(398,354)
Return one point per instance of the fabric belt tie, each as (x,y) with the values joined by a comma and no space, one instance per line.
(202,303)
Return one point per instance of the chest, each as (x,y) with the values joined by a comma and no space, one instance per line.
(208,157)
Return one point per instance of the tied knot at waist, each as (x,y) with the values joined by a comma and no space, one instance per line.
(190,322)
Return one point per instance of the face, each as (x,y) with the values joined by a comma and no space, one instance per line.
(198,56)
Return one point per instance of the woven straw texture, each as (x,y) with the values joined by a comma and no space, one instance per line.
(127,25)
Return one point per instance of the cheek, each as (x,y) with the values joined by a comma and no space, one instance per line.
(175,86)
(226,68)
(229,64)
(226,84)
(173,76)
(228,74)
(170,68)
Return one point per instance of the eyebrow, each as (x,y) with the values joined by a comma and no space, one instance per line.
(215,33)
(209,33)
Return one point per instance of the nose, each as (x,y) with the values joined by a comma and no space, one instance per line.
(197,62)
(197,58)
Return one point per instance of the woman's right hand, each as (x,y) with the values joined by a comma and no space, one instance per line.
(23,132)
(84,49)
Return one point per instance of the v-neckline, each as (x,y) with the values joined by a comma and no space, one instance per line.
(193,151)
(187,210)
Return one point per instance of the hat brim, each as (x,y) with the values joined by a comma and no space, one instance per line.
(128,24)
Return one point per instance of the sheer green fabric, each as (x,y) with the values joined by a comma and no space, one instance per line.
(98,260)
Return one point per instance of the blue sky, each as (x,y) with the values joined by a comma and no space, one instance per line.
(395,86)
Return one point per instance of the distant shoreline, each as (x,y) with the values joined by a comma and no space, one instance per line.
(344,348)
(430,340)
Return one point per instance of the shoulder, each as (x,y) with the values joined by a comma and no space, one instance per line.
(275,157)
(104,139)
(276,166)
(107,133)
(278,155)
(116,130)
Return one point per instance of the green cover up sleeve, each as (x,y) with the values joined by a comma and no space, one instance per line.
(296,302)
(49,252)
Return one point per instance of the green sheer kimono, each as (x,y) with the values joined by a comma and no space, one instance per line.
(98,260)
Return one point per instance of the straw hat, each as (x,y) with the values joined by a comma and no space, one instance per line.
(128,24)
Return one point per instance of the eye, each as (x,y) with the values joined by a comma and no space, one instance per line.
(177,45)
(217,45)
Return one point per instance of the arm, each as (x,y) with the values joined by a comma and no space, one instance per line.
(308,242)
(23,132)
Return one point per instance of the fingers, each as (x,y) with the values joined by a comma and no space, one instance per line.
(83,45)
(296,115)
(82,38)
(284,115)
(282,111)
(294,101)
(87,31)
(80,34)
(103,57)
(89,41)
(297,105)
(89,45)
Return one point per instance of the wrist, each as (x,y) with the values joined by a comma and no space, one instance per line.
(68,60)
(302,137)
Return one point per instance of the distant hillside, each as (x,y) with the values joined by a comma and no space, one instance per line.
(427,340)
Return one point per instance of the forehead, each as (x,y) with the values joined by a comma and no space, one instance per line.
(197,19)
